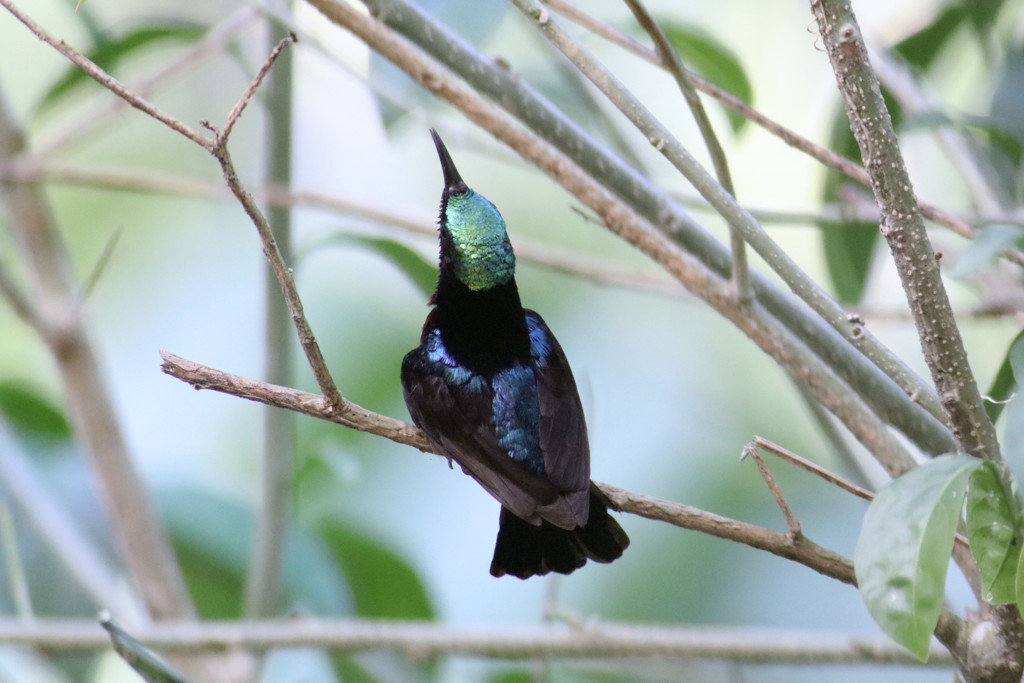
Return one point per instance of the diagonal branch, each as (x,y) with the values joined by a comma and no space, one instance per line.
(404,34)
(356,417)
(823,155)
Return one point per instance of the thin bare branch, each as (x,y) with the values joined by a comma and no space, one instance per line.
(420,639)
(670,57)
(773,486)
(250,91)
(812,467)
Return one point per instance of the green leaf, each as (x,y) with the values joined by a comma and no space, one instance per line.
(713,60)
(110,53)
(212,537)
(1004,112)
(1005,383)
(982,15)
(982,252)
(149,665)
(421,272)
(904,546)
(383,585)
(921,48)
(1000,143)
(1019,583)
(31,415)
(849,251)
(992,532)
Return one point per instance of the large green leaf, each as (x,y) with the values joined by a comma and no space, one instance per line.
(849,245)
(992,532)
(421,272)
(1019,583)
(150,666)
(31,415)
(904,546)
(922,47)
(112,51)
(849,251)
(711,59)
(1004,115)
(212,537)
(1005,382)
(986,247)
(383,585)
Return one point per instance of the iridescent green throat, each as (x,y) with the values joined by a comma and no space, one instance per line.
(483,254)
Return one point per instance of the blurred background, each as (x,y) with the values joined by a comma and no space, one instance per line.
(672,391)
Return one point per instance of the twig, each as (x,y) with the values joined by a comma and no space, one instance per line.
(832,478)
(218,148)
(243,101)
(281,270)
(674,63)
(347,414)
(773,486)
(426,639)
(812,467)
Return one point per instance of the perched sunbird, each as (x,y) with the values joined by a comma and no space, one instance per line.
(492,390)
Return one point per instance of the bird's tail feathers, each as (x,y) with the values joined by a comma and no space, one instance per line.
(524,550)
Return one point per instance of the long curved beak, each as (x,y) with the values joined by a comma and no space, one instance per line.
(453,183)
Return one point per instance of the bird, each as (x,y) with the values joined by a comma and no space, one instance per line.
(492,390)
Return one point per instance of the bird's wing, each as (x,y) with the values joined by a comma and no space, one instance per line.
(458,419)
(563,428)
